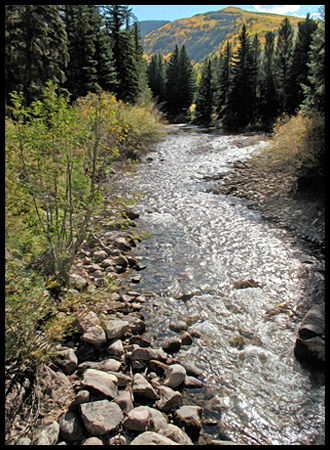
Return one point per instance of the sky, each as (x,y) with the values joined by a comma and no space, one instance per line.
(174,12)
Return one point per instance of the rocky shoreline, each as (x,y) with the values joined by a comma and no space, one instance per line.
(108,385)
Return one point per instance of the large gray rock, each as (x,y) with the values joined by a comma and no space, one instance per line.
(94,335)
(176,434)
(169,399)
(146,354)
(70,426)
(107,365)
(101,381)
(175,374)
(310,343)
(189,417)
(66,360)
(143,388)
(101,417)
(137,419)
(115,328)
(46,434)
(152,438)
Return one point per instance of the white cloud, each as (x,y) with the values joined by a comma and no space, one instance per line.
(277,9)
(316,15)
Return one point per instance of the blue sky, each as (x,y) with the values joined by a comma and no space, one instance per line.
(173,12)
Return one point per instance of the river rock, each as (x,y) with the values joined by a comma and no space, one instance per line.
(189,417)
(191,369)
(146,354)
(100,381)
(78,281)
(101,417)
(143,388)
(107,365)
(121,243)
(310,343)
(178,325)
(169,399)
(124,400)
(152,438)
(172,345)
(70,426)
(94,335)
(87,321)
(176,434)
(93,441)
(116,348)
(82,396)
(192,382)
(174,375)
(66,360)
(186,338)
(115,328)
(137,419)
(46,434)
(100,255)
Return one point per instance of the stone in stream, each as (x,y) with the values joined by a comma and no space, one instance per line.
(169,399)
(172,345)
(144,418)
(143,388)
(178,325)
(146,354)
(189,417)
(94,335)
(101,417)
(115,328)
(176,434)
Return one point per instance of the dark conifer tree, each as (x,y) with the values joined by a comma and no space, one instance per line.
(204,98)
(156,77)
(299,69)
(283,63)
(268,101)
(172,85)
(36,48)
(223,79)
(239,112)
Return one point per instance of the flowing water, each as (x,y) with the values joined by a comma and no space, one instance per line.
(201,244)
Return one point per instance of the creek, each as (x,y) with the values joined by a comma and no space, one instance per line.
(201,245)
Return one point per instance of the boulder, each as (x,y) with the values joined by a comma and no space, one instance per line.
(169,399)
(192,382)
(137,419)
(146,354)
(94,335)
(121,243)
(107,365)
(115,328)
(175,374)
(189,418)
(143,388)
(46,434)
(178,325)
(310,344)
(100,381)
(176,434)
(172,345)
(124,400)
(66,360)
(186,338)
(116,348)
(78,281)
(152,438)
(70,427)
(82,396)
(101,417)
(93,441)
(100,255)
(88,320)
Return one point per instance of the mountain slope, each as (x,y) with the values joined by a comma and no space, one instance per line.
(146,26)
(205,34)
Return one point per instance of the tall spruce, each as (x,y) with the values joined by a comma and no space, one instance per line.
(314,91)
(204,98)
(283,63)
(299,69)
(240,107)
(124,51)
(156,77)
(36,48)
(268,102)
(223,79)
(180,83)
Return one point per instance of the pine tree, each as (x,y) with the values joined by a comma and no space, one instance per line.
(36,48)
(268,103)
(204,99)
(156,77)
(315,90)
(299,69)
(256,76)
(124,54)
(180,84)
(283,62)
(240,107)
(142,64)
(223,81)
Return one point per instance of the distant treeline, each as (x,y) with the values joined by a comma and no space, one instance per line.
(250,88)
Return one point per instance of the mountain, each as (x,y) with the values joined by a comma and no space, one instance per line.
(146,26)
(204,35)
